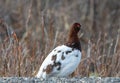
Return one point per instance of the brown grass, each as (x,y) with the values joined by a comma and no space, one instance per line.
(32,30)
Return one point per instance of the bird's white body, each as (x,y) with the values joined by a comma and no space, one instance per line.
(61,62)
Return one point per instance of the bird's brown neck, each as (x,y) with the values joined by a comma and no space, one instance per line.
(73,41)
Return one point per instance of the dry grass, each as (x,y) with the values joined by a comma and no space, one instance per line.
(31,30)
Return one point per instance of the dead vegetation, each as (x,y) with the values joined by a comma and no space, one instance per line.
(30,29)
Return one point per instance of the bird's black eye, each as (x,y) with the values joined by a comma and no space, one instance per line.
(77,28)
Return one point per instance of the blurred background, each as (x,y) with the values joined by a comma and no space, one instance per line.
(30,29)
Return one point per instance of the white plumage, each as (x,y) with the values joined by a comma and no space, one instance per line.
(64,59)
(68,59)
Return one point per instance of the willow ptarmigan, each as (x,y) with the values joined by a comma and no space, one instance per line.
(64,59)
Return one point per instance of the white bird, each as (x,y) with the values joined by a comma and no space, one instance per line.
(64,59)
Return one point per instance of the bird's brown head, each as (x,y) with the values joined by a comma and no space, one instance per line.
(73,40)
(75,28)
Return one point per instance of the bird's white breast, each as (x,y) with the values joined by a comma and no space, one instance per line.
(63,61)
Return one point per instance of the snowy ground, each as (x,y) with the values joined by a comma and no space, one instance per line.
(59,80)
